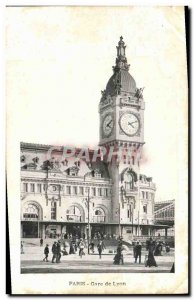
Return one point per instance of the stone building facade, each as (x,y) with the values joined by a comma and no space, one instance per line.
(79,196)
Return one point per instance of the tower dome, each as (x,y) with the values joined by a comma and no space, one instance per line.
(121,81)
(124,79)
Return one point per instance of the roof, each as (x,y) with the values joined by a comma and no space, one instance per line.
(122,77)
(162,204)
(101,167)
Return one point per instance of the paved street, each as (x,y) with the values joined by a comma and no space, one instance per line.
(32,262)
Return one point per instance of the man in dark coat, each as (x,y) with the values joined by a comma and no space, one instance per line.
(58,252)
(138,252)
(46,253)
(54,251)
(100,248)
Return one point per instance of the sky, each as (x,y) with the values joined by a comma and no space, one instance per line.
(58,59)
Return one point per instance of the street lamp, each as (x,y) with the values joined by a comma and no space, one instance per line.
(131,214)
(118,212)
(88,225)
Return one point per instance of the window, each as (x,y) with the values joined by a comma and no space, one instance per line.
(87,190)
(31,212)
(73,214)
(75,190)
(53,210)
(143,195)
(106,192)
(128,213)
(145,209)
(39,188)
(97,173)
(81,190)
(99,216)
(93,191)
(99,192)
(54,188)
(32,187)
(73,171)
(44,187)
(146,195)
(77,163)
(68,189)
(25,187)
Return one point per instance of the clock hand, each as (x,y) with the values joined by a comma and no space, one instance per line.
(130,124)
(133,122)
(109,123)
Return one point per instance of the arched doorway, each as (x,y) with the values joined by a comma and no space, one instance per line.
(74,216)
(31,215)
(99,217)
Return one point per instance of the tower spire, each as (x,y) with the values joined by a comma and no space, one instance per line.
(121,60)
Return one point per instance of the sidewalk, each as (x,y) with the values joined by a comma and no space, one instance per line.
(32,262)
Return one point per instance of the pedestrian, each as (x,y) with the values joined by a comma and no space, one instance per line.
(158,249)
(151,260)
(41,242)
(81,248)
(138,252)
(167,248)
(91,245)
(58,252)
(46,252)
(54,251)
(22,248)
(134,242)
(119,255)
(72,248)
(100,248)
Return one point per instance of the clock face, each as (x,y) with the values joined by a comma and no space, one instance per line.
(129,123)
(107,125)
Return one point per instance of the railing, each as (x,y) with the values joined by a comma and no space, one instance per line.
(164,218)
(98,219)
(73,218)
(147,184)
(129,191)
(30,219)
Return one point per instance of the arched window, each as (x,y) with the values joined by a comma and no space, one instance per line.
(99,216)
(31,212)
(128,181)
(73,214)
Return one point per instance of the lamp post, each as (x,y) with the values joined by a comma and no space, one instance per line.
(120,232)
(88,225)
(131,212)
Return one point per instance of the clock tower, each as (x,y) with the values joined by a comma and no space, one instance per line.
(121,112)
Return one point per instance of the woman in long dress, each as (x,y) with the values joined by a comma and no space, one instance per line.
(151,260)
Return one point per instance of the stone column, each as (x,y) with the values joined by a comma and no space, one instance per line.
(43,231)
(21,231)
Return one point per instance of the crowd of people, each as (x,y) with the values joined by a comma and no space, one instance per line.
(79,245)
(94,236)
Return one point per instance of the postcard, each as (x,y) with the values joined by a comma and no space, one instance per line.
(97,166)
